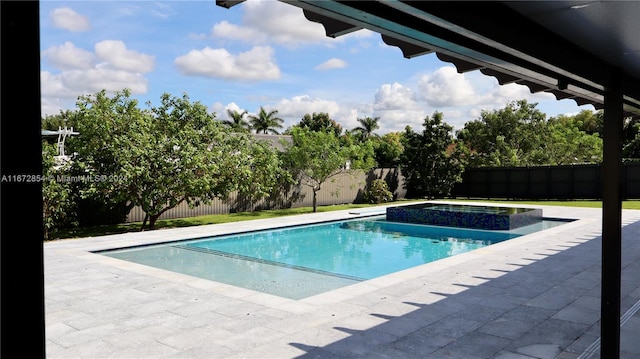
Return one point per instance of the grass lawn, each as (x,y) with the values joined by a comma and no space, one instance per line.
(243,216)
(197,221)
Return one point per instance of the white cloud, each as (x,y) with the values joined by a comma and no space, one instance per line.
(53,86)
(232,106)
(298,106)
(511,92)
(456,96)
(393,97)
(254,65)
(283,23)
(219,109)
(69,57)
(116,54)
(111,80)
(59,91)
(452,113)
(291,110)
(274,22)
(67,19)
(460,97)
(230,31)
(350,113)
(49,106)
(82,74)
(361,34)
(75,82)
(268,21)
(396,106)
(112,54)
(397,120)
(445,87)
(331,64)
(491,96)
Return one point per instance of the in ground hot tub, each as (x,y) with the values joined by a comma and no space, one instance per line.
(465,216)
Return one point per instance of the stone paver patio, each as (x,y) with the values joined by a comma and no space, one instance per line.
(536,296)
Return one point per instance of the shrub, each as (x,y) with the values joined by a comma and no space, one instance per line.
(378,192)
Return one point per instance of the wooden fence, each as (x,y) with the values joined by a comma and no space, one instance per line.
(343,189)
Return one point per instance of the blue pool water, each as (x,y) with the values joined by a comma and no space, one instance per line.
(302,261)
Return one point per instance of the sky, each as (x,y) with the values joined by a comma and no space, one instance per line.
(258,53)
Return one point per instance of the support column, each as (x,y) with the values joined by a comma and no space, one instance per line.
(21,245)
(611,220)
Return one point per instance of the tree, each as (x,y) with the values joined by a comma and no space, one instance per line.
(590,122)
(266,122)
(388,149)
(631,145)
(505,137)
(236,121)
(103,123)
(57,196)
(367,126)
(314,157)
(260,173)
(63,118)
(429,165)
(519,135)
(163,156)
(566,143)
(84,207)
(320,122)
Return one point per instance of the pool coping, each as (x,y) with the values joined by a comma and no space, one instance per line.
(352,303)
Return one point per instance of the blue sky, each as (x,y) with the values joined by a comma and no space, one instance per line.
(259,53)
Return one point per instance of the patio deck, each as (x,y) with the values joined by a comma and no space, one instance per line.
(536,296)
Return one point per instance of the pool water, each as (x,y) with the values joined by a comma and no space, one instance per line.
(302,261)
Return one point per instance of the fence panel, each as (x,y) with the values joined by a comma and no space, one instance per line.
(343,189)
(545,182)
(632,184)
(548,182)
(499,183)
(519,182)
(538,182)
(561,180)
(587,182)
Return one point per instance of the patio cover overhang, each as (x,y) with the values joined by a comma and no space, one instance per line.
(588,51)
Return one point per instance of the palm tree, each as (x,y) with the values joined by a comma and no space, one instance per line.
(236,121)
(266,122)
(368,125)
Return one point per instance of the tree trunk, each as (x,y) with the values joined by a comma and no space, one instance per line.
(315,193)
(144,222)
(45,217)
(154,217)
(152,221)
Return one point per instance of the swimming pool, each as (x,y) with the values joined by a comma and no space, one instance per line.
(302,261)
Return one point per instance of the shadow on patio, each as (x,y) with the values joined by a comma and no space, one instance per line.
(545,304)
